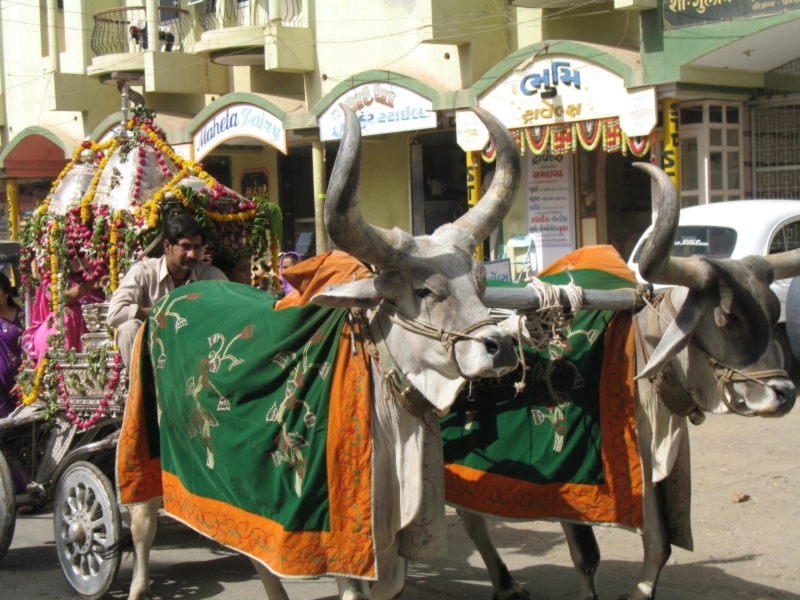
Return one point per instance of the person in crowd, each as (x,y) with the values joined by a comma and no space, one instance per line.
(239,272)
(10,349)
(43,320)
(286,261)
(149,280)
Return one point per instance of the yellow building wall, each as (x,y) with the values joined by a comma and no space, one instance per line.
(385,170)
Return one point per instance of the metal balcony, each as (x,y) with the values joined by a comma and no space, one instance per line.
(221,14)
(124,30)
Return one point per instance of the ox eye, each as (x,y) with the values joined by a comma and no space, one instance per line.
(731,318)
(423,292)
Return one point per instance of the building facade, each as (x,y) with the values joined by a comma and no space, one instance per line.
(252,90)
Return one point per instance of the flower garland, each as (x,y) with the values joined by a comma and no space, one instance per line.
(86,211)
(112,251)
(53,267)
(588,134)
(37,384)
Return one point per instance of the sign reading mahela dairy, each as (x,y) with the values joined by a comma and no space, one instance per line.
(563,89)
(381,108)
(239,120)
(551,219)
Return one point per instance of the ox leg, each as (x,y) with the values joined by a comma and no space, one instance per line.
(585,555)
(272,583)
(352,589)
(392,574)
(657,548)
(143,531)
(505,588)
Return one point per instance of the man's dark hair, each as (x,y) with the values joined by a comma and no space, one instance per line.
(223,263)
(180,227)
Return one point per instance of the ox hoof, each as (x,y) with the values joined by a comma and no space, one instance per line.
(519,594)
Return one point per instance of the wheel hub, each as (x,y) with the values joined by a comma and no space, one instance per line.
(79,532)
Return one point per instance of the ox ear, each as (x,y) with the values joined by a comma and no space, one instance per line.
(358,294)
(677,335)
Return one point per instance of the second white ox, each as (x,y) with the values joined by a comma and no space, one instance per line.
(430,288)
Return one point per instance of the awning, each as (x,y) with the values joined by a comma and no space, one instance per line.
(38,152)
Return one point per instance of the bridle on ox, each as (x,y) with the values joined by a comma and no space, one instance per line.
(672,393)
(409,397)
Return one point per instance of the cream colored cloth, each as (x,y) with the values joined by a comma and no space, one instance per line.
(145,283)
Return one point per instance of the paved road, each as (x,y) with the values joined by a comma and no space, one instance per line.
(749,550)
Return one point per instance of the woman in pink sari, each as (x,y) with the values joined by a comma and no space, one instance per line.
(34,339)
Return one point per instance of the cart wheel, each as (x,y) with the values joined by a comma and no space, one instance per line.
(86,522)
(8,510)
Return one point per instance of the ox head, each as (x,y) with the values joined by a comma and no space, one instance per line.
(429,280)
(728,313)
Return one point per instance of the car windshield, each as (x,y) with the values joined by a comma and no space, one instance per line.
(713,242)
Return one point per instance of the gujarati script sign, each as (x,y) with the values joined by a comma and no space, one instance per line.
(551,218)
(685,13)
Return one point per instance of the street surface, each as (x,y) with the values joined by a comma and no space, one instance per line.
(748,550)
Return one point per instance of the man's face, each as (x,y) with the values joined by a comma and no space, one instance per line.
(184,255)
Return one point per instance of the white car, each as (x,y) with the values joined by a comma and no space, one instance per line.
(734,230)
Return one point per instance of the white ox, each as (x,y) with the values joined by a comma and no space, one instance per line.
(724,311)
(429,287)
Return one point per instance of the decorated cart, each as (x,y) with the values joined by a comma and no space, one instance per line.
(105,211)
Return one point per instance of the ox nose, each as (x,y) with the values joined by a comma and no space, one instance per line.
(501,349)
(786,393)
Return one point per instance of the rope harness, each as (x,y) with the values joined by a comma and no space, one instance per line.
(672,392)
(397,382)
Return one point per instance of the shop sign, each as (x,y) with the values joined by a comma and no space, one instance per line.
(550,207)
(381,108)
(255,184)
(183,150)
(239,120)
(685,13)
(471,133)
(498,270)
(563,89)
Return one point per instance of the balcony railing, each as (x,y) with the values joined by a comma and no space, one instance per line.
(221,14)
(124,30)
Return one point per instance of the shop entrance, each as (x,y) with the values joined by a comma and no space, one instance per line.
(296,180)
(614,201)
(438,181)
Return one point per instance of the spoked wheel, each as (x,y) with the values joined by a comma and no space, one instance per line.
(86,523)
(8,509)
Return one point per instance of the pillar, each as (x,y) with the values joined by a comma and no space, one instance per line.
(474,189)
(13,208)
(320,188)
(152,25)
(52,36)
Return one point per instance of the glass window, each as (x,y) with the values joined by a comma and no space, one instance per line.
(687,201)
(691,115)
(731,114)
(715,137)
(713,242)
(788,238)
(715,114)
(715,171)
(735,197)
(713,199)
(689,164)
(733,171)
(733,137)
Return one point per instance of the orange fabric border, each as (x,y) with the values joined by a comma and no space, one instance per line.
(618,500)
(602,258)
(138,476)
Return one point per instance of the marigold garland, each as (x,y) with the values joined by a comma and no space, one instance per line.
(86,210)
(28,399)
(53,267)
(112,252)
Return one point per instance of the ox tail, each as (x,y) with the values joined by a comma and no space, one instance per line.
(122,546)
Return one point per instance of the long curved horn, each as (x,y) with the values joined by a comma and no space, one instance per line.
(656,264)
(343,220)
(487,214)
(785,264)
